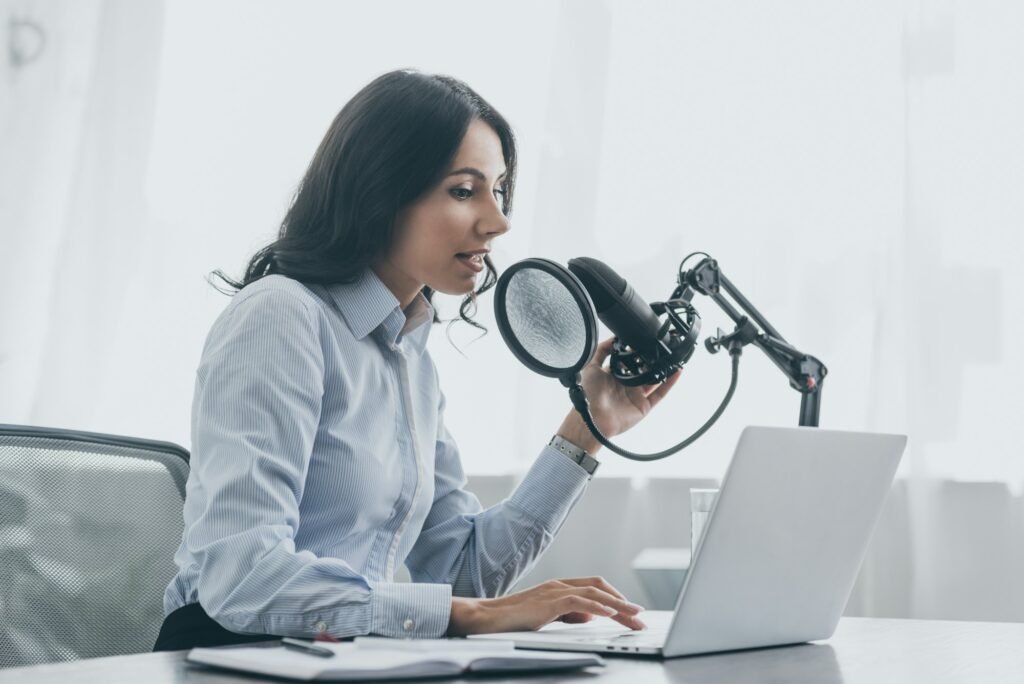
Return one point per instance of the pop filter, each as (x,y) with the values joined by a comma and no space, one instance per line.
(546,318)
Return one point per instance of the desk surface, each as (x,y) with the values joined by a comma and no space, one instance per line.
(862,650)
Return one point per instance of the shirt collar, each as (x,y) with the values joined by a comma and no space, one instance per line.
(368,306)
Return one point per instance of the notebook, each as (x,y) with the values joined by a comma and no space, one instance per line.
(372,660)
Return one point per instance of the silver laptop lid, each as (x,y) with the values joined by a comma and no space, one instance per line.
(784,541)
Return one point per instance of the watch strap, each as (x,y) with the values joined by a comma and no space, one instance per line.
(578,455)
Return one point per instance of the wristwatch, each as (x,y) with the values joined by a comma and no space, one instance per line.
(579,456)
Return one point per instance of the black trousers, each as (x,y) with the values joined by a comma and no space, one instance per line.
(190,626)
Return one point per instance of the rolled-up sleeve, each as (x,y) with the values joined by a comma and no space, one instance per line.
(255,418)
(483,552)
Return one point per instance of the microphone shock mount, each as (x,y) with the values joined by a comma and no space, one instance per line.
(677,340)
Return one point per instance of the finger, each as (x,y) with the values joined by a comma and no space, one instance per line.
(603,351)
(669,381)
(614,602)
(599,582)
(659,393)
(630,621)
(598,608)
(576,618)
(574,603)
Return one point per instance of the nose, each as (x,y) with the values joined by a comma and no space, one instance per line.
(494,223)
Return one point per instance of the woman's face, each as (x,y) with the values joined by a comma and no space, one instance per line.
(441,238)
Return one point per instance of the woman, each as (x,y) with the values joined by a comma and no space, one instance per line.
(320,458)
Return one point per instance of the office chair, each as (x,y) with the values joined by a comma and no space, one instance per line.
(89,524)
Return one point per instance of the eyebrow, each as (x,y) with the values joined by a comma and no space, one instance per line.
(474,172)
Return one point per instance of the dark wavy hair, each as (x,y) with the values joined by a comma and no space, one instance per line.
(390,144)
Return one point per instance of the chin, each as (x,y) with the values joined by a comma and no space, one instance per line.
(456,289)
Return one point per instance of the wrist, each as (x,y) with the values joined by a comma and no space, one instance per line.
(465,617)
(574,430)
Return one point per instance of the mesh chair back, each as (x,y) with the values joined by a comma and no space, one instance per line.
(88,529)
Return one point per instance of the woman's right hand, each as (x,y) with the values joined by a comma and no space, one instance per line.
(567,600)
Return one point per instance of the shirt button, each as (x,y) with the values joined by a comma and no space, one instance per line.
(320,626)
(408,624)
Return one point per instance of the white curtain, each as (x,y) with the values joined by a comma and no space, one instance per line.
(77,132)
(952,540)
(854,167)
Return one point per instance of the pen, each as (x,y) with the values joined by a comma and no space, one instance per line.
(307,648)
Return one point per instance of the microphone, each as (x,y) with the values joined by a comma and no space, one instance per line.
(645,350)
(547,315)
(618,305)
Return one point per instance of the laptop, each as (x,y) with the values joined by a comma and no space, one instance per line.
(778,556)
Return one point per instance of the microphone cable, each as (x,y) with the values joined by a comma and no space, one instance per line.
(582,405)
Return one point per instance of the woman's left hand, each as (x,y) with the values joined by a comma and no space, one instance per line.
(614,406)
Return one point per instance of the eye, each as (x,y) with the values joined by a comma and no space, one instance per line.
(500,193)
(456,193)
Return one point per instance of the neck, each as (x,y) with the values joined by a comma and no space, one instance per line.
(402,286)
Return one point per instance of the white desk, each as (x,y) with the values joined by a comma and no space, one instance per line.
(863,650)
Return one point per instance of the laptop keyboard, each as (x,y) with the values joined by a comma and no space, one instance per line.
(613,636)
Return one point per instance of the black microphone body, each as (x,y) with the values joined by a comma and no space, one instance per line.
(647,351)
(619,306)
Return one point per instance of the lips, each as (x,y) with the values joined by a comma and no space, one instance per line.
(473,260)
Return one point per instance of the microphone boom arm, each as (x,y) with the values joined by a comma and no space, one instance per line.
(806,373)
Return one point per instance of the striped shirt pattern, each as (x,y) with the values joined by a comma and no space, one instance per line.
(320,462)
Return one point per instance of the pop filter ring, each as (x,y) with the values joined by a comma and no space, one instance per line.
(579,294)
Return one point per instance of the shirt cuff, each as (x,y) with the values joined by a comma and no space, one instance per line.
(410,610)
(550,488)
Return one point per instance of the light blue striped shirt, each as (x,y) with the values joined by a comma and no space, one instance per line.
(320,461)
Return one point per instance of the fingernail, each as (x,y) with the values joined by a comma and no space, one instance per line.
(609,611)
(637,607)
